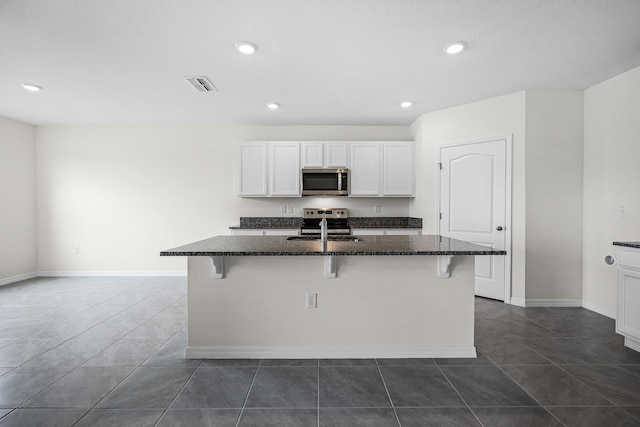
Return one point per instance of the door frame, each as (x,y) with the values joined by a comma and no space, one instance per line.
(508,203)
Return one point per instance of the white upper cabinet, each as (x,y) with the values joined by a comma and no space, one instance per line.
(382,169)
(252,169)
(364,169)
(336,154)
(285,169)
(269,169)
(376,169)
(312,154)
(399,169)
(316,154)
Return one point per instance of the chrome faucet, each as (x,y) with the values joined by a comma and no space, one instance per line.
(323,229)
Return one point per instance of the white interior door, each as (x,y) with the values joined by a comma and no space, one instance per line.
(475,183)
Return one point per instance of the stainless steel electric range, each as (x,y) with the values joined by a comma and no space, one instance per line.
(336,221)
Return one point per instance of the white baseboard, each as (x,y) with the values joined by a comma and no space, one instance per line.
(110,273)
(546,302)
(632,344)
(599,310)
(343,352)
(518,301)
(19,277)
(554,303)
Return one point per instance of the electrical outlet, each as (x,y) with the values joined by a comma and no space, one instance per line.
(76,250)
(622,210)
(312,300)
(283,209)
(376,209)
(289,209)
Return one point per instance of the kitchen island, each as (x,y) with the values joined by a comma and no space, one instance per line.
(374,297)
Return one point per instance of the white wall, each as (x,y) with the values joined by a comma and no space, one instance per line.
(493,117)
(611,178)
(123,194)
(554,148)
(17,201)
(546,127)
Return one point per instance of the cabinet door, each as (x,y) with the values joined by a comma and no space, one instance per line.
(628,319)
(252,169)
(312,154)
(364,169)
(399,178)
(336,154)
(282,232)
(247,232)
(285,169)
(368,231)
(403,232)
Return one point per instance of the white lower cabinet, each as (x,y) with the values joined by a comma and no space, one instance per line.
(283,232)
(628,316)
(265,232)
(386,231)
(247,232)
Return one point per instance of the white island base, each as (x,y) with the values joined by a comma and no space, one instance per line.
(375,307)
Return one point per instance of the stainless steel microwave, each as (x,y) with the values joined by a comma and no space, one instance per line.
(325,182)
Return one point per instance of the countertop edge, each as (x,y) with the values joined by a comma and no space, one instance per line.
(628,244)
(423,245)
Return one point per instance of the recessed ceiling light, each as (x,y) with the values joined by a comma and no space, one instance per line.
(406,104)
(454,48)
(247,48)
(31,87)
(273,106)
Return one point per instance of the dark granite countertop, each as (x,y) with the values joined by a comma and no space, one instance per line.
(370,245)
(628,244)
(353,222)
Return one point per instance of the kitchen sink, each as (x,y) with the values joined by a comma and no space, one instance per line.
(347,238)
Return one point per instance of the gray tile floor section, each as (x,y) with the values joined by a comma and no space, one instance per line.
(110,352)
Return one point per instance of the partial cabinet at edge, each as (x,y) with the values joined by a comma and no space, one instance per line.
(382,169)
(628,316)
(269,169)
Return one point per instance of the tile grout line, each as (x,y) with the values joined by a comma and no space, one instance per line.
(384,383)
(553,363)
(127,376)
(177,394)
(246,399)
(458,393)
(123,380)
(583,382)
(529,394)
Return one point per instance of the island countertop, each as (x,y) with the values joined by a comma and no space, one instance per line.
(367,246)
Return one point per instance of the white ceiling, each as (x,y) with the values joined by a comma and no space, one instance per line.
(327,62)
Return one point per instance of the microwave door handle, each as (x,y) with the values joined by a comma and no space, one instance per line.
(339,181)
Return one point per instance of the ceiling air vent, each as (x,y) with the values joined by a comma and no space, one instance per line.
(201,83)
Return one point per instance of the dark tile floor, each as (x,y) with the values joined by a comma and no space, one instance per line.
(110,352)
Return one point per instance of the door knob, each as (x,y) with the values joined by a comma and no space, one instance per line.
(499,228)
